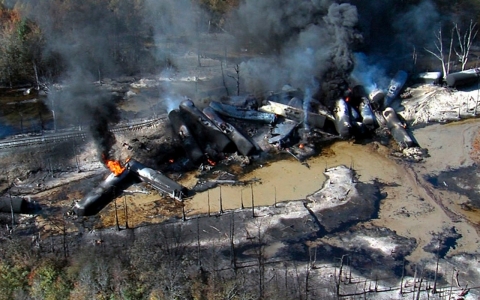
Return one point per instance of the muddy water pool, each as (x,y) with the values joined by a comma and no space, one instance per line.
(274,182)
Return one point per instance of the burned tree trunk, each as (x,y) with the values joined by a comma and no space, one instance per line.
(236,78)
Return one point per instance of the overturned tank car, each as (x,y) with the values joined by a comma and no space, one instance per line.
(18,205)
(157,180)
(97,199)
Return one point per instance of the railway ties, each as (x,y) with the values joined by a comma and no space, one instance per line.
(59,137)
(40,140)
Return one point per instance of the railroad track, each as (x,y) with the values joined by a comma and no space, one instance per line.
(47,138)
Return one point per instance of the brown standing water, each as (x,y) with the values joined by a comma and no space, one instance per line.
(279,181)
(287,179)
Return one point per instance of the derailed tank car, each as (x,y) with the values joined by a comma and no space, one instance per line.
(244,146)
(97,199)
(18,205)
(204,129)
(463,78)
(190,145)
(396,85)
(157,180)
(397,129)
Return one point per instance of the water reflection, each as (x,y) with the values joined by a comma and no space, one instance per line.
(24,114)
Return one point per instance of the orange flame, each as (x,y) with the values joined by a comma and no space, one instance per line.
(115,166)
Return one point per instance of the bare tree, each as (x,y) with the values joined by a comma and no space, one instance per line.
(236,78)
(440,55)
(260,253)
(220,199)
(223,72)
(11,202)
(125,211)
(465,42)
(462,50)
(116,214)
(233,256)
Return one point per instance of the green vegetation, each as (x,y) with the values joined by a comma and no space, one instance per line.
(20,44)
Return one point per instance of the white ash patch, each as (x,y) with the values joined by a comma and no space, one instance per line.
(291,210)
(383,244)
(337,190)
(431,103)
(414,154)
(269,216)
(145,83)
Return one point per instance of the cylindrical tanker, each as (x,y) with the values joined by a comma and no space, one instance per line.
(396,85)
(97,199)
(207,128)
(368,117)
(376,97)
(190,145)
(244,146)
(400,135)
(366,112)
(463,78)
(157,180)
(296,102)
(18,205)
(342,118)
(358,128)
(354,114)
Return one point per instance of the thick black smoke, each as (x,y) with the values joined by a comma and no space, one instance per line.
(82,104)
(395,36)
(307,44)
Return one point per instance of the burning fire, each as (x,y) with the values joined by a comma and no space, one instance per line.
(115,166)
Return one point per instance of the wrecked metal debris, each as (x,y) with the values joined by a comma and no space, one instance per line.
(204,128)
(244,146)
(282,131)
(243,114)
(295,114)
(397,128)
(190,145)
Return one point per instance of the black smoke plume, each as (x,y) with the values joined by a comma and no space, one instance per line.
(303,42)
(395,36)
(81,103)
